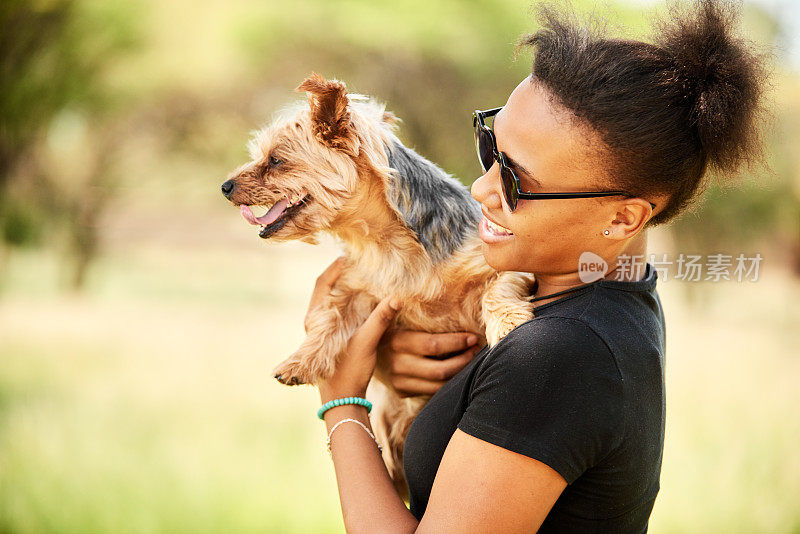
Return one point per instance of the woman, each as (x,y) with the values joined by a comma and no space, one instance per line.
(559,427)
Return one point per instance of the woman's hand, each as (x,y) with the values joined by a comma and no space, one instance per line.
(355,367)
(410,362)
(419,363)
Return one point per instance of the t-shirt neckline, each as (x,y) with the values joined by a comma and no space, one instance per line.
(646,283)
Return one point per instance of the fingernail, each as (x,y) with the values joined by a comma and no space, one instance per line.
(471,340)
(394,303)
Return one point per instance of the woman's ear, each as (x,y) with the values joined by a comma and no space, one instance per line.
(630,219)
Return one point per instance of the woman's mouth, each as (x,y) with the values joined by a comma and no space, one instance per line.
(491,232)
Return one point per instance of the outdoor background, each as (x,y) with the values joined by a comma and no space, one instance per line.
(140,315)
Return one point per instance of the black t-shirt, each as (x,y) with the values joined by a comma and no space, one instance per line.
(580,387)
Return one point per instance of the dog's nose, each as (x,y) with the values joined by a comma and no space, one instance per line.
(227,188)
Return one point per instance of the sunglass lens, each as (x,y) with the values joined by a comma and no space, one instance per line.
(509,187)
(484,146)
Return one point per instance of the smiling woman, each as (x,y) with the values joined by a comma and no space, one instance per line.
(531,130)
(560,426)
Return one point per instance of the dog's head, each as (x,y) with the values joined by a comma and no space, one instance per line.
(304,167)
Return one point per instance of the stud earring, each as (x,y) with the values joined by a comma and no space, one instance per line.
(606,232)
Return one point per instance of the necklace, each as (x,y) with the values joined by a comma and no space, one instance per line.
(570,290)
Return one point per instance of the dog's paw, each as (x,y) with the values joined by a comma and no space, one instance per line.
(293,373)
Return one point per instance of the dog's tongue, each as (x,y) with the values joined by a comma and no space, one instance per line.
(269,217)
(247,213)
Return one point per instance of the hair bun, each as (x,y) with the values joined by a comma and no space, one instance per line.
(718,76)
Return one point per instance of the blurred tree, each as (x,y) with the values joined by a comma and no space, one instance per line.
(52,54)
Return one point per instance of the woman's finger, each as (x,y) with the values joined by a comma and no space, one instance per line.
(409,386)
(430,368)
(425,343)
(367,336)
(325,282)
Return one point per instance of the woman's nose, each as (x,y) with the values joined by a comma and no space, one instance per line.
(485,190)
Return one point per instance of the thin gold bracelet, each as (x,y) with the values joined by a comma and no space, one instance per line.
(359,423)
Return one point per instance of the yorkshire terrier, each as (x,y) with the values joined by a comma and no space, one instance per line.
(333,165)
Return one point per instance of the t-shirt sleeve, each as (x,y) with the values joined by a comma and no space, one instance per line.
(549,390)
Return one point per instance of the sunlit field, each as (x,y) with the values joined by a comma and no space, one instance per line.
(147,404)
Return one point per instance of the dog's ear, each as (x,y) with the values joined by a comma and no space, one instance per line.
(329,112)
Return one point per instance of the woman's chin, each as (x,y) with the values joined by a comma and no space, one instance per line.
(499,260)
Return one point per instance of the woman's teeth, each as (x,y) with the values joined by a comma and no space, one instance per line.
(497,229)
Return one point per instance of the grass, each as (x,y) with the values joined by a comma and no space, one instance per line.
(120,412)
(146,405)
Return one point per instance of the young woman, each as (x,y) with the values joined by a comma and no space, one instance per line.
(559,427)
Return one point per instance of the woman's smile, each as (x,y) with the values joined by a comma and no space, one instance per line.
(492,232)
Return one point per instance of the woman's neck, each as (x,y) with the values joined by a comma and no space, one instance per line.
(627,270)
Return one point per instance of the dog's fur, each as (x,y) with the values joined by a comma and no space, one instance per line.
(407,228)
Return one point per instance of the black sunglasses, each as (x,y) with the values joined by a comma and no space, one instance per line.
(486,145)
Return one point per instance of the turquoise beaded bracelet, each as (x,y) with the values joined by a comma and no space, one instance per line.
(346,400)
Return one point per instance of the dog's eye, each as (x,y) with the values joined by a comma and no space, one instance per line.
(274,162)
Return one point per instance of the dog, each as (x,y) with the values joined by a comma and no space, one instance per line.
(332,165)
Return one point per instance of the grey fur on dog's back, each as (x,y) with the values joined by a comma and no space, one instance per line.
(437,207)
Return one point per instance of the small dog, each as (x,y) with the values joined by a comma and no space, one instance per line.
(332,165)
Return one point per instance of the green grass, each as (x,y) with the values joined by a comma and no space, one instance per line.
(147,406)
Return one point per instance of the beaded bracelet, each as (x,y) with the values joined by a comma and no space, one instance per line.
(339,402)
(359,423)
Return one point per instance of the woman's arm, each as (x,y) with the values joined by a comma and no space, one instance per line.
(478,486)
(368,499)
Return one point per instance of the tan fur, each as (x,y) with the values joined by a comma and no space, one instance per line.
(333,150)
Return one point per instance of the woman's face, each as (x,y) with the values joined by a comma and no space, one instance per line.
(549,154)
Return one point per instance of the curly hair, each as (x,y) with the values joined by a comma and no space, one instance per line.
(667,111)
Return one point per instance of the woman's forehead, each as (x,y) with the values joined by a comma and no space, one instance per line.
(539,133)
(526,129)
(529,114)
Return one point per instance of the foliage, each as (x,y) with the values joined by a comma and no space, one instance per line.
(52,60)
